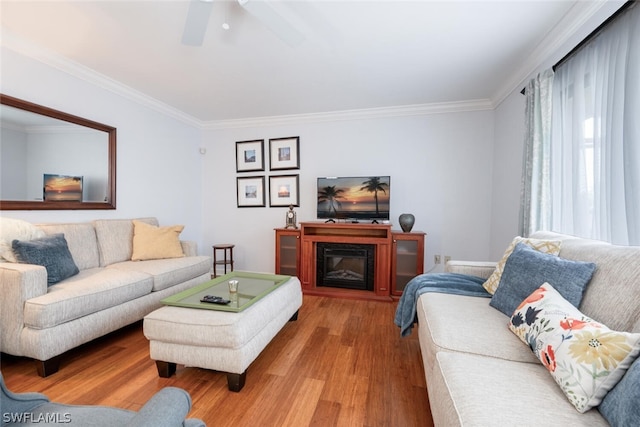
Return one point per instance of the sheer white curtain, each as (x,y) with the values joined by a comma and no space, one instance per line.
(536,185)
(595,138)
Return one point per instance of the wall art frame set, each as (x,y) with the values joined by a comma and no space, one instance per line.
(284,154)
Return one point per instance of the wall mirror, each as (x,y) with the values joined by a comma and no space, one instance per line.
(50,160)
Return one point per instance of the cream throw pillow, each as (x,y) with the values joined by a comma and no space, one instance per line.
(551,247)
(151,242)
(16,229)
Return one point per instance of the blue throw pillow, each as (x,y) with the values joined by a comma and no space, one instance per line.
(527,269)
(52,252)
(621,406)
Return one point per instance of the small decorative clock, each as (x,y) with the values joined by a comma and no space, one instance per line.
(291,218)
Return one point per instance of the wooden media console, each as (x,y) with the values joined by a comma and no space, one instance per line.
(396,257)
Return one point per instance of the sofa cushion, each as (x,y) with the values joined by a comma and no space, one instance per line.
(621,406)
(168,272)
(82,241)
(615,283)
(546,246)
(477,391)
(153,242)
(527,269)
(51,252)
(115,239)
(457,323)
(15,229)
(584,357)
(89,291)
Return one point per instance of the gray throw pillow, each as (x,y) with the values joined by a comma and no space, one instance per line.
(527,269)
(52,252)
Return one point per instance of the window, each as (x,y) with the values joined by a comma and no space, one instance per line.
(591,187)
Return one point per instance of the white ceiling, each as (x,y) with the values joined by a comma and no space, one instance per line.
(355,54)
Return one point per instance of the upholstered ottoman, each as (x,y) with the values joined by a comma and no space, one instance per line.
(222,341)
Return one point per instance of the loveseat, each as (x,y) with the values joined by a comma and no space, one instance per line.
(481,371)
(106,289)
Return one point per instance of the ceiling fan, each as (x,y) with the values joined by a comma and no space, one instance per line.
(265,11)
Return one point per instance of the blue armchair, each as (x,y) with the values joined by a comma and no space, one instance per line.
(167,408)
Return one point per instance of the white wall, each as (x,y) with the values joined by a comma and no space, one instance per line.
(27,156)
(440,167)
(13,160)
(507,171)
(75,153)
(158,163)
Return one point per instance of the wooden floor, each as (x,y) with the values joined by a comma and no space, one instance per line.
(342,363)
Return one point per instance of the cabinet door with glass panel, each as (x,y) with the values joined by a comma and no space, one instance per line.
(407,259)
(287,251)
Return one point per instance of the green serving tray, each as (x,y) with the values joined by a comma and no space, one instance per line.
(251,288)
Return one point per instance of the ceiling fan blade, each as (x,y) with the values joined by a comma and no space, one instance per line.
(269,16)
(195,26)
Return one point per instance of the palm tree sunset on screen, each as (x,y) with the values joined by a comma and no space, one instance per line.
(330,194)
(373,185)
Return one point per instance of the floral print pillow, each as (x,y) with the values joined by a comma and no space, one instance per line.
(584,357)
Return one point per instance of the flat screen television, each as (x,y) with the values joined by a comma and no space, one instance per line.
(354,198)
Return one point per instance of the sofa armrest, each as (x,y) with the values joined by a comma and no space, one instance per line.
(190,248)
(18,283)
(167,408)
(474,268)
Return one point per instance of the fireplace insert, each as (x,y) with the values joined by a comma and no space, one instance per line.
(343,265)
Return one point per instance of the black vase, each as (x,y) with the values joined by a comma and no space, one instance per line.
(406,222)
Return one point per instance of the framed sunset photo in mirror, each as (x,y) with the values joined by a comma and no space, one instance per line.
(62,188)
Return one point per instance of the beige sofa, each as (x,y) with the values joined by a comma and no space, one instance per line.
(110,291)
(480,374)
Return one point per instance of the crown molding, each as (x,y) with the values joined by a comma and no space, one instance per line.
(576,17)
(359,114)
(91,76)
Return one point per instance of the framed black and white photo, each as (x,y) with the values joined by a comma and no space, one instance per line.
(250,156)
(284,153)
(250,191)
(283,190)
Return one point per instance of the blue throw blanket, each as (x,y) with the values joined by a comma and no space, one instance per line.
(447,283)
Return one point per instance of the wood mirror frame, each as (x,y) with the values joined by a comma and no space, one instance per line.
(109,203)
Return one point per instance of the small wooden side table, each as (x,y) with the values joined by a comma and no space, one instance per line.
(227,250)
